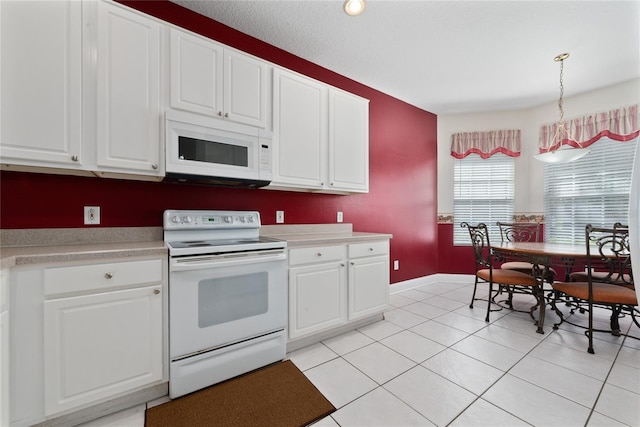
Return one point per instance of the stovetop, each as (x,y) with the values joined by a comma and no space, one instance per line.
(190,232)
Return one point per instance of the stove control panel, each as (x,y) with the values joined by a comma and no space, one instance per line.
(182,220)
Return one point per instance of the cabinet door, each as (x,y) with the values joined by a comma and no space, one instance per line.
(368,286)
(128,92)
(245,85)
(196,74)
(41,83)
(317,296)
(99,345)
(348,142)
(300,131)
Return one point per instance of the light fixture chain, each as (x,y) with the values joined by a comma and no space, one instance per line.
(561,91)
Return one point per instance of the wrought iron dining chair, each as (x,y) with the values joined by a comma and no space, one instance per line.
(608,249)
(600,275)
(521,232)
(487,273)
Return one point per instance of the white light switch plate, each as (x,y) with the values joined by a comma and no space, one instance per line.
(339,219)
(279,217)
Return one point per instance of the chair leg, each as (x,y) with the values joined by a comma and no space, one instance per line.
(615,325)
(556,296)
(589,331)
(540,294)
(473,297)
(489,301)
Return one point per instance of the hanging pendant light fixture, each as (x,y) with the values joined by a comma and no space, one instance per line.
(564,153)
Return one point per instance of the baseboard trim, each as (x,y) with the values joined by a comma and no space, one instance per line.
(431,279)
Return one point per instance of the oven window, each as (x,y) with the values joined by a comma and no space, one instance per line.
(200,150)
(232,298)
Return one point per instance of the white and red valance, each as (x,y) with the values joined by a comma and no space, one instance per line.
(621,124)
(486,144)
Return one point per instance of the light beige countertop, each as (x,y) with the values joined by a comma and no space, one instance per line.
(51,245)
(319,234)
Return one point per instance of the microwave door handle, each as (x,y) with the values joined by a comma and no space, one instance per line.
(222,261)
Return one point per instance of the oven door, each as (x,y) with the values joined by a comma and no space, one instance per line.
(218,300)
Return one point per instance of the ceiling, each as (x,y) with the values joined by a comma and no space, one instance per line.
(452,56)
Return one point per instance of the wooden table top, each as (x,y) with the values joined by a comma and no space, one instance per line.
(543,248)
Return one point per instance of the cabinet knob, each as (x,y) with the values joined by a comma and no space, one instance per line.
(352,263)
(220,113)
(226,115)
(108,275)
(156,291)
(371,249)
(342,265)
(331,184)
(74,158)
(319,253)
(154,166)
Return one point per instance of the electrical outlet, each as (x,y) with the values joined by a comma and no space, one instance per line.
(396,265)
(339,216)
(92,215)
(279,217)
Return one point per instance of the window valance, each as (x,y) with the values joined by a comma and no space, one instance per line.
(486,144)
(621,124)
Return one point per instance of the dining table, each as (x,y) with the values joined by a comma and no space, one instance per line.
(544,256)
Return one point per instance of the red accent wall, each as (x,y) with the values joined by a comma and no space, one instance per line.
(403,160)
(453,259)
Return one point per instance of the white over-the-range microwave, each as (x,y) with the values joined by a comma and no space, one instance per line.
(206,150)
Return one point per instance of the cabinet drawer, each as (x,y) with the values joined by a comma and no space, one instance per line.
(92,277)
(357,250)
(316,254)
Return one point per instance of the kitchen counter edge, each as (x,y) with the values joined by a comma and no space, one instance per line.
(45,246)
(320,234)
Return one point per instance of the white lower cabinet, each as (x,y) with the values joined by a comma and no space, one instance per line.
(316,295)
(92,333)
(106,342)
(325,294)
(100,345)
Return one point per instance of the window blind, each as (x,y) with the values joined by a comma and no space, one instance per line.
(592,190)
(482,192)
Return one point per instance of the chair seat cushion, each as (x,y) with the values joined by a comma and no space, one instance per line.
(517,265)
(523,267)
(507,277)
(605,293)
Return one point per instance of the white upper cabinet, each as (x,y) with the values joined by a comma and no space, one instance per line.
(348,141)
(210,79)
(41,84)
(128,92)
(321,136)
(80,86)
(196,74)
(300,131)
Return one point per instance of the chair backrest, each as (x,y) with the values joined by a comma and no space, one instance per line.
(481,245)
(608,250)
(519,231)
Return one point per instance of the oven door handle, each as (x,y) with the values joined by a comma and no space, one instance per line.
(201,262)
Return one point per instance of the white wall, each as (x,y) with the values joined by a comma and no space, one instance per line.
(529,172)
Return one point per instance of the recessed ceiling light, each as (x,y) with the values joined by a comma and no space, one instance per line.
(354,7)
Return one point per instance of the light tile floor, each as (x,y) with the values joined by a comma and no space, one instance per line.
(435,361)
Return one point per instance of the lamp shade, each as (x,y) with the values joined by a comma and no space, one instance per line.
(562,155)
